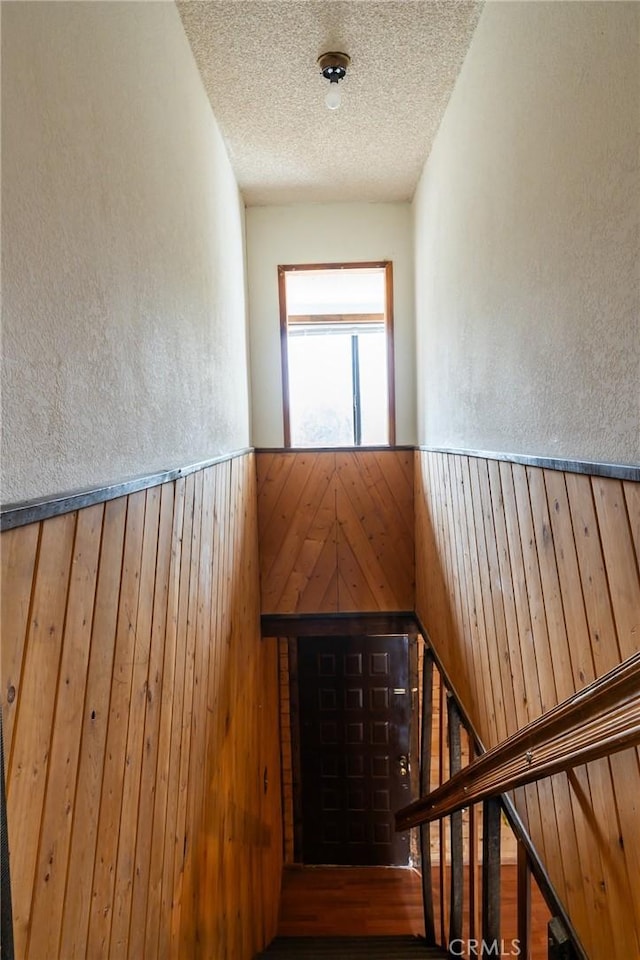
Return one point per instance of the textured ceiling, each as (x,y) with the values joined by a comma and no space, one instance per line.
(258,62)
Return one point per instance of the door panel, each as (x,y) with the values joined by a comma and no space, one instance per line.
(355,706)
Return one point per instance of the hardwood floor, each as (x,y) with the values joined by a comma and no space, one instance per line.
(376,901)
(350,901)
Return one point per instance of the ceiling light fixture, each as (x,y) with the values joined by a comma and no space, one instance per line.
(333,67)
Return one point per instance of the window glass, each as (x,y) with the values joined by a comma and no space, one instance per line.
(336,335)
(320,390)
(348,290)
(373,387)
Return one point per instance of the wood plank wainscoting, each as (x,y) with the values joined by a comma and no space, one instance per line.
(528,587)
(336,530)
(141,720)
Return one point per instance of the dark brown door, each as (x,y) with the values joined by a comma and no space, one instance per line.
(355,706)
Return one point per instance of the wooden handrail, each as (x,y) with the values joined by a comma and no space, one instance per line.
(601,719)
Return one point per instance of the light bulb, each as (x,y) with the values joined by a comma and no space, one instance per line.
(333,98)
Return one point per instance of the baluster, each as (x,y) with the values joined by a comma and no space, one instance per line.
(425,787)
(491,872)
(442,835)
(524,902)
(474,925)
(455,764)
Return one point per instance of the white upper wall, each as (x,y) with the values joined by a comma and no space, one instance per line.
(123,278)
(527,243)
(330,233)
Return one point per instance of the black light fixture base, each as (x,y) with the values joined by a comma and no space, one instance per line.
(333,65)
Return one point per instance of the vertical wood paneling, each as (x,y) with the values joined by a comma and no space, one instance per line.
(77,906)
(115,760)
(48,893)
(336,531)
(605,649)
(580,871)
(474,596)
(197,775)
(26,783)
(173,841)
(527,583)
(591,786)
(18,560)
(134,903)
(505,587)
(147,930)
(493,639)
(458,572)
(125,860)
(144,727)
(616,534)
(183,848)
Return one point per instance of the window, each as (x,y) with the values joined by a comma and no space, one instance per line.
(337,354)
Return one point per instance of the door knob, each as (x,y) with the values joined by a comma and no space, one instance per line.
(404,765)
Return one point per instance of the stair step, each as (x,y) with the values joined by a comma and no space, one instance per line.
(351,948)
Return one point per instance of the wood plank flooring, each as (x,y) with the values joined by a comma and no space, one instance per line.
(383,901)
(350,901)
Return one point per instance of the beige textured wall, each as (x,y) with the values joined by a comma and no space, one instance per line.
(325,233)
(123,278)
(527,249)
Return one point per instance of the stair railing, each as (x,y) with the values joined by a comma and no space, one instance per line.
(599,720)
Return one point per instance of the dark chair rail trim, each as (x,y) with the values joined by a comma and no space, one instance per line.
(361,449)
(30,511)
(617,471)
(594,468)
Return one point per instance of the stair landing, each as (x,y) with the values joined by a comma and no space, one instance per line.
(350,902)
